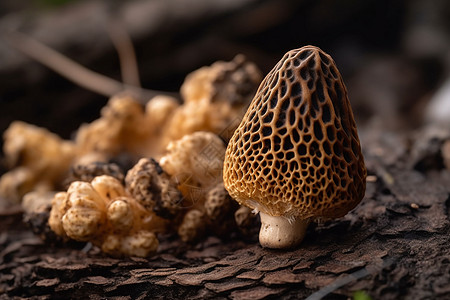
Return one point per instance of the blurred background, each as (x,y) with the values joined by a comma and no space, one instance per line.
(394,55)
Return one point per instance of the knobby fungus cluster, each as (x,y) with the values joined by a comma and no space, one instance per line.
(113,198)
(138,171)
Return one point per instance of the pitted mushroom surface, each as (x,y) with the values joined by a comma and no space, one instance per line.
(296,155)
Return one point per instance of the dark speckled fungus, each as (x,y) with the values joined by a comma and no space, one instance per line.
(296,155)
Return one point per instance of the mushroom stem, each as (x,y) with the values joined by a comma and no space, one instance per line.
(279,232)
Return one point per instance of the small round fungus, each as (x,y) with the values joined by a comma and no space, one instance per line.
(218,203)
(196,162)
(121,128)
(193,226)
(104,213)
(153,188)
(296,156)
(214,97)
(38,158)
(159,110)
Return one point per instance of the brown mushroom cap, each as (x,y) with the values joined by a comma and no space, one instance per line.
(296,152)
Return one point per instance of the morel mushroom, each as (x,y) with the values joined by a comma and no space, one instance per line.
(296,155)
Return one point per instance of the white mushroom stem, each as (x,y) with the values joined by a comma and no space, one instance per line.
(281,232)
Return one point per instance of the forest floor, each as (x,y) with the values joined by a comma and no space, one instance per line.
(394,245)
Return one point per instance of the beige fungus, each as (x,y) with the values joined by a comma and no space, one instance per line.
(296,156)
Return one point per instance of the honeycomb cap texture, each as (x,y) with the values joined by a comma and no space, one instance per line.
(296,152)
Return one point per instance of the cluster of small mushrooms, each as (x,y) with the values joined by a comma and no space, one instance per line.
(137,172)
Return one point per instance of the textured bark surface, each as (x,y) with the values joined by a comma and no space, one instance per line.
(394,245)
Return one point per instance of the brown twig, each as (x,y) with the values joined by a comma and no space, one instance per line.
(75,72)
(127,56)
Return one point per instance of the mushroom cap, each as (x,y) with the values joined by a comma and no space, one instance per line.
(296,152)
